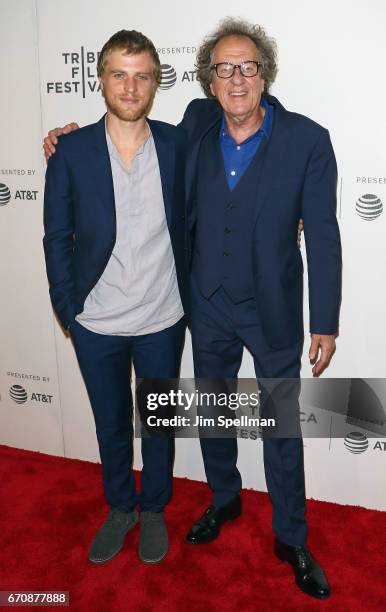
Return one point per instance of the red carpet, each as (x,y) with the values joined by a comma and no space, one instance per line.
(51,508)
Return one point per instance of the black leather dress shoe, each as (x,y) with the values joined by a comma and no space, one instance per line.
(207,528)
(309,576)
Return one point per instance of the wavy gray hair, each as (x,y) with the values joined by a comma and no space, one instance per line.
(237,27)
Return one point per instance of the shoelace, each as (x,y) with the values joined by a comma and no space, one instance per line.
(304,556)
(205,516)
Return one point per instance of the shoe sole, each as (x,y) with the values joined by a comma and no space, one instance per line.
(101,561)
(152,561)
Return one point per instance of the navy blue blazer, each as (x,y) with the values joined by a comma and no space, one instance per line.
(298,180)
(79,212)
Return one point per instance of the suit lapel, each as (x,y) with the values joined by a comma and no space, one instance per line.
(192,159)
(166,154)
(101,164)
(275,157)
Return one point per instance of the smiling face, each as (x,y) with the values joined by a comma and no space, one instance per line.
(239,96)
(128,84)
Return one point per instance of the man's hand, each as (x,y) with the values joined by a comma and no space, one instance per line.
(321,350)
(300,229)
(52,138)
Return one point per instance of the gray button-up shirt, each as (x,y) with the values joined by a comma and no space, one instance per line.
(138,291)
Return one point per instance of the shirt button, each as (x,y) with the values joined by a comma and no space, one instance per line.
(238,148)
(233,172)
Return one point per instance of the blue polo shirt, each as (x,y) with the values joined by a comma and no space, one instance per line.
(237,157)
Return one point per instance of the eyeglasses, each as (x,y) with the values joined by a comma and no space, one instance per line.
(225,70)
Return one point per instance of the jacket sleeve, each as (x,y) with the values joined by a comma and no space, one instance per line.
(198,115)
(322,238)
(190,118)
(58,239)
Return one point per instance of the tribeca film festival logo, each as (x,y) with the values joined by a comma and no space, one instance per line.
(81,72)
(19,395)
(369,206)
(257,434)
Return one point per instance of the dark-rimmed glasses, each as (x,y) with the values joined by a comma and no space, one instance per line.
(225,70)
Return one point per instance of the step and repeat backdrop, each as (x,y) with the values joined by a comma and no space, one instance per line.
(331,67)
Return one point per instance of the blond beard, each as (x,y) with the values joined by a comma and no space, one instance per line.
(133,115)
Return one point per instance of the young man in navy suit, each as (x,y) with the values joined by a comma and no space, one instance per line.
(114,227)
(253,170)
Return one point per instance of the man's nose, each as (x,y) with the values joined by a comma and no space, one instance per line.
(130,83)
(237,77)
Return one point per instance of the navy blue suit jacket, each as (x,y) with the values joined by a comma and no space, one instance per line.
(298,180)
(79,212)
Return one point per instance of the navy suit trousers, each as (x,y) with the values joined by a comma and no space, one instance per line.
(220,330)
(105,363)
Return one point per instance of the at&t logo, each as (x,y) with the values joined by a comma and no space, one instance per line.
(20,194)
(19,395)
(369,207)
(5,194)
(168,76)
(357,443)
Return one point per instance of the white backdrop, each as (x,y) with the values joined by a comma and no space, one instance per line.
(331,66)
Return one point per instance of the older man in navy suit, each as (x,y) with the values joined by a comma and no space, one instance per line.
(254,169)
(114,227)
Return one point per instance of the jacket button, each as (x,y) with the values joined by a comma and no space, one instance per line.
(226,253)
(227,230)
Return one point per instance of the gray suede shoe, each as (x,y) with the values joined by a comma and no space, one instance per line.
(111,536)
(154,541)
